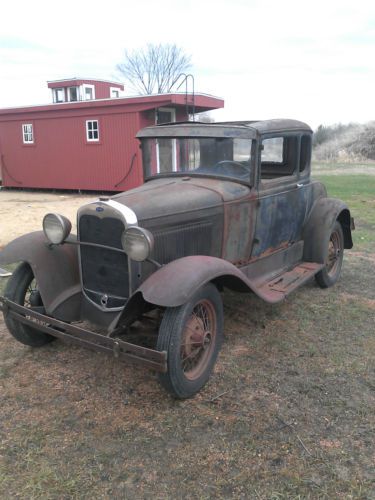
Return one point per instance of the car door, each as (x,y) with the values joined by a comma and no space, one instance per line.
(282,194)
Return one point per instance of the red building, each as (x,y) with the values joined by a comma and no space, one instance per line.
(85,140)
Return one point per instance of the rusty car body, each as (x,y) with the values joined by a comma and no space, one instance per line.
(223,205)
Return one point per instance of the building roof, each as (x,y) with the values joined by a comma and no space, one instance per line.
(202,102)
(70,82)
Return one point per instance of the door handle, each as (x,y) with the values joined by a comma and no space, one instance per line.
(299,184)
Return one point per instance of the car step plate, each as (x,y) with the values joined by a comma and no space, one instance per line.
(291,279)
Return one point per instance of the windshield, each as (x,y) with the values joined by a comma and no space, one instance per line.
(219,157)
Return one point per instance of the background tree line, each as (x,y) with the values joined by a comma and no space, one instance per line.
(351,142)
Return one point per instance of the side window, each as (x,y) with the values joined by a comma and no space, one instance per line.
(73,94)
(28,133)
(58,95)
(273,150)
(114,92)
(88,92)
(305,156)
(279,157)
(92,130)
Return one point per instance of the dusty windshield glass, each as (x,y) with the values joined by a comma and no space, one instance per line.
(219,157)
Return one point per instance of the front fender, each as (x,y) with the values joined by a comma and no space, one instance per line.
(317,230)
(55,269)
(176,282)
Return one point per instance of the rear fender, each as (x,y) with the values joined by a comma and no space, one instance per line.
(55,269)
(318,228)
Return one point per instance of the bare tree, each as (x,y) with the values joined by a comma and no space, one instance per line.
(155,68)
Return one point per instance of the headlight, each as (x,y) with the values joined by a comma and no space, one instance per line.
(137,243)
(56,227)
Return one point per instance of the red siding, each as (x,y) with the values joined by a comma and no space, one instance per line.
(61,157)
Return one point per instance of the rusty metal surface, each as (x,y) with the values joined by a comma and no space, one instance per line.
(317,230)
(249,129)
(179,195)
(55,268)
(184,276)
(239,227)
(280,215)
(125,351)
(267,237)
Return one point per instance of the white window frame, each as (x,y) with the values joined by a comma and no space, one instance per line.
(69,94)
(54,93)
(92,130)
(174,144)
(28,133)
(114,89)
(87,86)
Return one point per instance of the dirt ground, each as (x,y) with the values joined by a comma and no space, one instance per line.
(23,211)
(287,414)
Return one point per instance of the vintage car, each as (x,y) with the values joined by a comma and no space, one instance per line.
(223,205)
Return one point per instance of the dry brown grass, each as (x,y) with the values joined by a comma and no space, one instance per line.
(288,413)
(294,420)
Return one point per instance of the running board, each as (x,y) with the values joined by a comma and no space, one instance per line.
(279,287)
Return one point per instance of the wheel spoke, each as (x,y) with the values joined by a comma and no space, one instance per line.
(197,339)
(192,354)
(192,342)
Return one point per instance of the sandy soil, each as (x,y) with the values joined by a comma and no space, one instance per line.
(23,211)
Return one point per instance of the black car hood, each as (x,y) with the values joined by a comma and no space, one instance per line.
(173,195)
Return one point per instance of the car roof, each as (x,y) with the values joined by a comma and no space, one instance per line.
(245,129)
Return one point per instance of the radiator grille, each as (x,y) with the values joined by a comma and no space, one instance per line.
(103,271)
(176,242)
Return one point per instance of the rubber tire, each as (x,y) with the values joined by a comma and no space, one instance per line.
(323,277)
(169,339)
(15,291)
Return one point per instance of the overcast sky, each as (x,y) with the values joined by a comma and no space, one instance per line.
(313,61)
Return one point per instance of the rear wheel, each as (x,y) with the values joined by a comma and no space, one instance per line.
(332,269)
(192,336)
(23,289)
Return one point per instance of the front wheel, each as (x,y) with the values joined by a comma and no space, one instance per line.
(331,271)
(192,335)
(23,289)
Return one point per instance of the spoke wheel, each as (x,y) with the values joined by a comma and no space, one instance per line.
(22,288)
(329,275)
(198,340)
(192,335)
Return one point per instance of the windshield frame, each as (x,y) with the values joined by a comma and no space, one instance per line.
(247,182)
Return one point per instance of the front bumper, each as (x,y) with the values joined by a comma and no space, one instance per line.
(125,351)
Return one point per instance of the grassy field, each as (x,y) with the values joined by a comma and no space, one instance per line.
(288,413)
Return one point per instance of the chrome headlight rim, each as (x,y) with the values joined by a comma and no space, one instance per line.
(137,243)
(56,228)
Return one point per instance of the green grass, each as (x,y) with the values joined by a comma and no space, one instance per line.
(358,191)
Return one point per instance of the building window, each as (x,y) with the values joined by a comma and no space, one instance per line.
(92,130)
(165,115)
(58,95)
(114,92)
(88,92)
(73,93)
(27,133)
